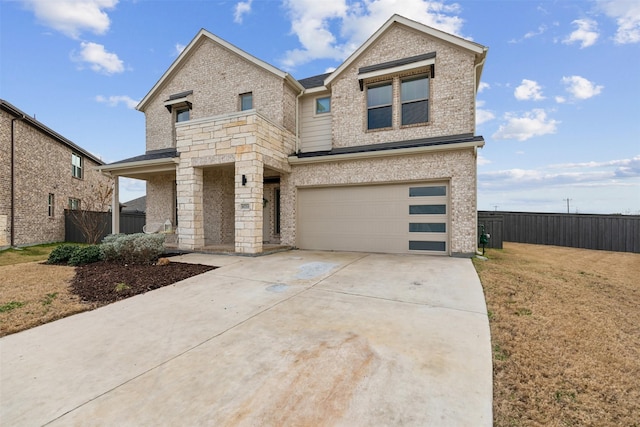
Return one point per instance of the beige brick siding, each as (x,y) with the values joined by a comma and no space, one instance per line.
(459,167)
(42,166)
(218,206)
(451,99)
(217,77)
(161,194)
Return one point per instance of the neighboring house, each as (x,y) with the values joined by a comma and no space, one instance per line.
(138,205)
(379,155)
(42,173)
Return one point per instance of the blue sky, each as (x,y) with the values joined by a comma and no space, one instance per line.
(559,105)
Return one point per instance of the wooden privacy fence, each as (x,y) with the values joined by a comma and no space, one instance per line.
(130,223)
(620,233)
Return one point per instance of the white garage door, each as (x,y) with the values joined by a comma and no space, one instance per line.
(394,218)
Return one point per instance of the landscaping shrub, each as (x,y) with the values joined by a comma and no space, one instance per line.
(62,254)
(136,248)
(86,255)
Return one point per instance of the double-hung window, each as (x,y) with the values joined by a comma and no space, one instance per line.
(74,204)
(415,100)
(76,166)
(51,204)
(380,105)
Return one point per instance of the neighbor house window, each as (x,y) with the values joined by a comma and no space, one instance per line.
(379,106)
(74,204)
(323,105)
(414,94)
(76,166)
(182,114)
(51,204)
(246,101)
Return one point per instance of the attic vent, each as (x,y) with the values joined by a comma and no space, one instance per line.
(179,100)
(398,66)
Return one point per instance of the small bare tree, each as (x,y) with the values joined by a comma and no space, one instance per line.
(89,217)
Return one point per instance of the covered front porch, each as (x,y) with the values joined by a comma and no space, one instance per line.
(219,190)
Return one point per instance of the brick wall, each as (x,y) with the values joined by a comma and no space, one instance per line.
(217,77)
(451,98)
(42,166)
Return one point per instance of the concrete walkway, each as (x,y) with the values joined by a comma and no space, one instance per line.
(297,338)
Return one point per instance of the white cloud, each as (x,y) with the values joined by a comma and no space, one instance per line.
(627,16)
(179,48)
(333,29)
(113,101)
(581,88)
(71,17)
(482,115)
(560,99)
(242,8)
(586,33)
(541,29)
(532,123)
(482,86)
(99,59)
(528,90)
(482,160)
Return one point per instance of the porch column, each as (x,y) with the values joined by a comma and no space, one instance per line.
(115,206)
(189,187)
(248,200)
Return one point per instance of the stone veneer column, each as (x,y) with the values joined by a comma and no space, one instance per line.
(190,213)
(248,200)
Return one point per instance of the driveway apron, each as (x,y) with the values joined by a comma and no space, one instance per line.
(300,338)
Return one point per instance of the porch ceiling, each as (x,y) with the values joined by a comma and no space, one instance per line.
(141,169)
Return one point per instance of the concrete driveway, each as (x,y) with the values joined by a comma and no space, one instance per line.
(296,338)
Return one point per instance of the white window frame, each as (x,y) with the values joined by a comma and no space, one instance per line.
(241,98)
(51,205)
(315,105)
(76,170)
(74,204)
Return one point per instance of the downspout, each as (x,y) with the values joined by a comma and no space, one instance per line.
(13,181)
(475,75)
(298,120)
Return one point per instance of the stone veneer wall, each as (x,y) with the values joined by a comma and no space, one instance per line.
(218,205)
(248,141)
(217,77)
(459,167)
(451,97)
(161,195)
(42,166)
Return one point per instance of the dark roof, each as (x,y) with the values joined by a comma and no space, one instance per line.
(314,81)
(135,205)
(165,153)
(423,142)
(397,62)
(16,112)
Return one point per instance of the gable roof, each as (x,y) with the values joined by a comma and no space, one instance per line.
(479,50)
(16,112)
(204,34)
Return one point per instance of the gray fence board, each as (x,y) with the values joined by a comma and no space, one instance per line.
(130,222)
(620,233)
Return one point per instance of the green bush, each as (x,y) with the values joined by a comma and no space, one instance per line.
(136,248)
(86,255)
(62,254)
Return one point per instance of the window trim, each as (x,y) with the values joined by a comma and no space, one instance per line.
(315,106)
(178,110)
(76,171)
(72,201)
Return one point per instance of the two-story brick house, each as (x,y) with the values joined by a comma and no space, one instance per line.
(379,155)
(42,173)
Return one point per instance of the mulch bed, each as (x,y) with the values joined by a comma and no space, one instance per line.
(106,282)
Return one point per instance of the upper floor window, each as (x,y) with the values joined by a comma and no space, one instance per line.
(246,101)
(414,95)
(76,166)
(380,106)
(74,204)
(51,204)
(323,105)
(182,114)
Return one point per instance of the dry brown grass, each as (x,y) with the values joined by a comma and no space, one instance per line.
(565,326)
(33,293)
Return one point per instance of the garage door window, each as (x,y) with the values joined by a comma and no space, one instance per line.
(427,227)
(427,209)
(427,191)
(418,245)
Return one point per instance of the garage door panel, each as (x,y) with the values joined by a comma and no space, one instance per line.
(376,218)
